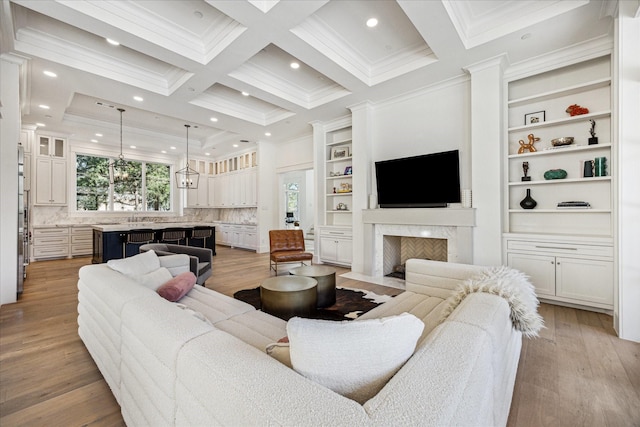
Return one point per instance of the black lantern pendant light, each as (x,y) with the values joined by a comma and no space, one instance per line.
(187,177)
(118,168)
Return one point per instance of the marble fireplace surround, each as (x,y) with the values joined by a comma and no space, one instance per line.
(453,224)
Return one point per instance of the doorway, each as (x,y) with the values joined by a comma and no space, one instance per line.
(296,200)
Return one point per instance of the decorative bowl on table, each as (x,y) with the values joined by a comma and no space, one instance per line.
(558,142)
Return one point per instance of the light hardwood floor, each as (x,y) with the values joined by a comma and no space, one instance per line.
(576,374)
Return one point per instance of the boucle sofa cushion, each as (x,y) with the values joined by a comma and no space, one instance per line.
(355,359)
(155,279)
(178,286)
(176,263)
(136,265)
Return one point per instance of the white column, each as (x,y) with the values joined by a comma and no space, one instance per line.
(627,104)
(9,137)
(486,158)
(361,146)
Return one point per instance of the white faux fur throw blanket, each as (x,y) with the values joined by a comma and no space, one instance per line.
(512,285)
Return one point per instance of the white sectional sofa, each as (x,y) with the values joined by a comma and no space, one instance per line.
(167,366)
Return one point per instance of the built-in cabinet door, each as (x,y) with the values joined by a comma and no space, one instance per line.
(51,181)
(541,270)
(585,279)
(59,181)
(345,251)
(328,249)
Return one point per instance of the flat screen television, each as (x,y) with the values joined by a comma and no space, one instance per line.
(426,181)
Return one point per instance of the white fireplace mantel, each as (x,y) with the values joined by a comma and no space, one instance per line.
(453,224)
(455,217)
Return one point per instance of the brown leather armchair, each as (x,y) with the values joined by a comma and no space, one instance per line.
(287,246)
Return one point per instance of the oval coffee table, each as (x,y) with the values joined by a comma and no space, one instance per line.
(326,277)
(288,296)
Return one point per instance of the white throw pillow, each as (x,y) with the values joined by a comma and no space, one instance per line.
(154,279)
(353,358)
(177,264)
(136,265)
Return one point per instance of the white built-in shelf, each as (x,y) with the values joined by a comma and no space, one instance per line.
(339,211)
(560,181)
(563,149)
(339,177)
(570,210)
(570,90)
(339,142)
(565,120)
(342,159)
(339,194)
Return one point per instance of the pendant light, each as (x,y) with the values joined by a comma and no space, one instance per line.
(118,168)
(187,177)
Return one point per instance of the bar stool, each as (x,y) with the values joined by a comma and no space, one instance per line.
(201,233)
(137,237)
(173,235)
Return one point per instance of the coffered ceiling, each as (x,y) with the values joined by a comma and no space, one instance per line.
(225,67)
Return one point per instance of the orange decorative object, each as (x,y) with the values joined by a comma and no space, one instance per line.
(528,146)
(576,110)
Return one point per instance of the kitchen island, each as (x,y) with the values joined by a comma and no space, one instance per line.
(109,239)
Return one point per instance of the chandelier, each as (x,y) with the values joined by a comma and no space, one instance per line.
(187,177)
(118,168)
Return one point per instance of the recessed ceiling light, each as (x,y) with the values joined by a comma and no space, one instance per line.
(41,125)
(49,73)
(113,42)
(235,145)
(214,119)
(98,134)
(94,140)
(245,93)
(132,146)
(138,98)
(294,65)
(267,134)
(207,154)
(198,14)
(372,22)
(164,151)
(173,148)
(525,36)
(44,107)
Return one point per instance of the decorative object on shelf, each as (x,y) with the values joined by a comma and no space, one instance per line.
(118,168)
(525,169)
(341,207)
(335,173)
(555,174)
(592,130)
(528,202)
(466,198)
(573,205)
(341,152)
(187,177)
(345,187)
(347,170)
(559,142)
(600,166)
(588,169)
(334,190)
(576,110)
(528,146)
(533,118)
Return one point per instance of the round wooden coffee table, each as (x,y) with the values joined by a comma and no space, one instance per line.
(326,277)
(288,296)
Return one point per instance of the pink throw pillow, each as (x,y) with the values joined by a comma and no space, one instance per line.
(177,287)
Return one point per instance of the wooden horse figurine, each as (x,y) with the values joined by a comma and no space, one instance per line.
(528,146)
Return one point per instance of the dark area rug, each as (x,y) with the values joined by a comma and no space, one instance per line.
(350,303)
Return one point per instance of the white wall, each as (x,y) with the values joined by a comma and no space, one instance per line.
(9,137)
(627,58)
(428,121)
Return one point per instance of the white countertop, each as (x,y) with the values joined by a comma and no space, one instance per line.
(126,226)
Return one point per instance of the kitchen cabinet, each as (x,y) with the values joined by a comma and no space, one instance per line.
(51,181)
(50,242)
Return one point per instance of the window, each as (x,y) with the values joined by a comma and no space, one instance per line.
(141,186)
(291,199)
